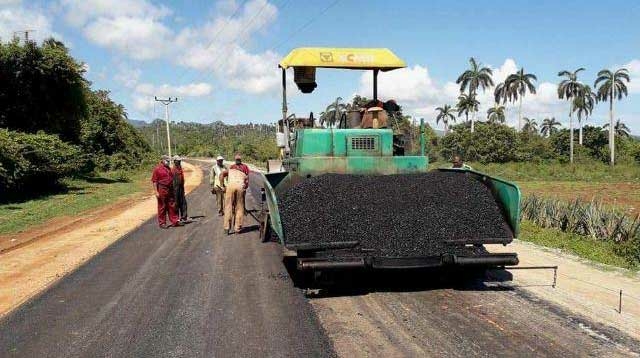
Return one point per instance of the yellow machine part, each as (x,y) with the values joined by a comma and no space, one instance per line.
(347,58)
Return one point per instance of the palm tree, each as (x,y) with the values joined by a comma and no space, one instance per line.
(476,77)
(548,126)
(514,88)
(332,113)
(612,86)
(583,104)
(569,88)
(496,114)
(445,114)
(620,129)
(530,125)
(467,103)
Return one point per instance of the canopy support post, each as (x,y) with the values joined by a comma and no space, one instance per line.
(285,124)
(375,84)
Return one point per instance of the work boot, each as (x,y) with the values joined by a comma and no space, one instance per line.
(179,223)
(226,231)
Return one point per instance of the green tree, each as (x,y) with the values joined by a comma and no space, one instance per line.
(569,88)
(467,103)
(514,88)
(445,114)
(496,114)
(611,86)
(331,115)
(113,143)
(548,126)
(583,104)
(42,89)
(620,129)
(490,143)
(530,125)
(474,78)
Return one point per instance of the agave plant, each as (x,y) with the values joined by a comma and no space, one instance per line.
(592,219)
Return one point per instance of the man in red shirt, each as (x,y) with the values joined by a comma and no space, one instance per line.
(162,180)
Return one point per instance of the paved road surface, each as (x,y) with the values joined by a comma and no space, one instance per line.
(183,292)
(192,292)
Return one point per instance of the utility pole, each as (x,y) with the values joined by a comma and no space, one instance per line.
(167,102)
(23,32)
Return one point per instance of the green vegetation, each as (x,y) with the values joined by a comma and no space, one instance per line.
(601,251)
(55,126)
(592,171)
(257,142)
(76,196)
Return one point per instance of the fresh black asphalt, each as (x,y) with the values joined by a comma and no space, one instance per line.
(182,292)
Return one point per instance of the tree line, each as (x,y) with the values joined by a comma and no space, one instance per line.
(53,124)
(256,142)
(609,86)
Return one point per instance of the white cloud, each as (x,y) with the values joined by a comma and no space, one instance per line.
(419,94)
(15,16)
(165,90)
(127,75)
(79,12)
(139,29)
(131,27)
(634,74)
(140,38)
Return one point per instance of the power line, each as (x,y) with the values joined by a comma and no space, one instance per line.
(307,24)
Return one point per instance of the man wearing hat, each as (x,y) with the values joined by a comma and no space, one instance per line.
(216,184)
(162,180)
(238,182)
(178,187)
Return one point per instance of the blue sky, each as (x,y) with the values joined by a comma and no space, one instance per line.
(220,57)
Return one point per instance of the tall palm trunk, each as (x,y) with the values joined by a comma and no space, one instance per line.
(473,120)
(446,127)
(580,131)
(612,146)
(570,136)
(520,115)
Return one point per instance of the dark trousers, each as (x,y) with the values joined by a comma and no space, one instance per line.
(181,203)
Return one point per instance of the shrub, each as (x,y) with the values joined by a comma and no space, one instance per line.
(489,143)
(36,161)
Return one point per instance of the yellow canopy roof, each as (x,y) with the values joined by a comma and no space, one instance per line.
(349,58)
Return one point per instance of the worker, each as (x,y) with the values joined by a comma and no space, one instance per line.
(216,185)
(457,163)
(178,189)
(162,180)
(238,182)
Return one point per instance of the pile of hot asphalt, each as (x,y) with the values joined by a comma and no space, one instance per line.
(409,215)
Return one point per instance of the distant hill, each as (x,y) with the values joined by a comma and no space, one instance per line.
(137,123)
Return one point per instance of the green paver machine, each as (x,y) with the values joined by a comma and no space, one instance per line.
(361,146)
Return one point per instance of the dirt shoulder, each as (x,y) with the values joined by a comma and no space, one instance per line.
(42,256)
(583,287)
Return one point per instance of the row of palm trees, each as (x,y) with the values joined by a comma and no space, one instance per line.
(582,99)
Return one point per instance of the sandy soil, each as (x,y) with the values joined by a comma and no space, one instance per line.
(42,257)
(583,287)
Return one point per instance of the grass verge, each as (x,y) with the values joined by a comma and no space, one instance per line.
(601,251)
(78,195)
